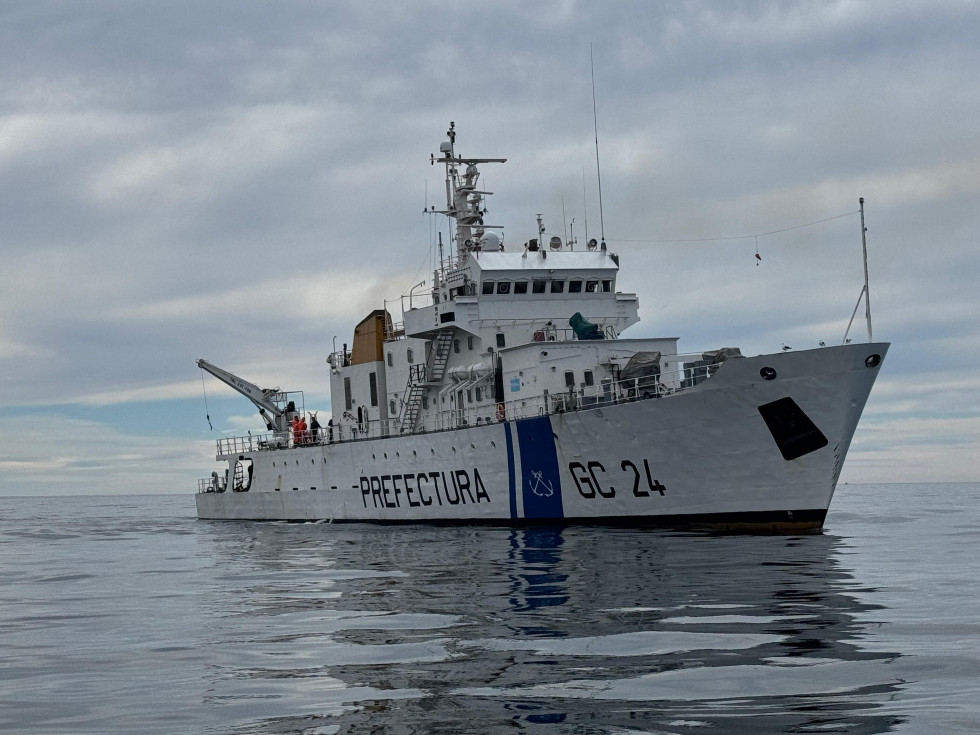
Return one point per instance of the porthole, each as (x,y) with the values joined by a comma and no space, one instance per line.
(872,361)
(768,373)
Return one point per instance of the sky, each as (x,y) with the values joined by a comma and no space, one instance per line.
(244,181)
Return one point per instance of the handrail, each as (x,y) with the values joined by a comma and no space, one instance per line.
(605,393)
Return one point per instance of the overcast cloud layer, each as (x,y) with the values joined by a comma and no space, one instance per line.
(243,181)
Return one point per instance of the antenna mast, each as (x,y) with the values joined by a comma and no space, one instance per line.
(598,175)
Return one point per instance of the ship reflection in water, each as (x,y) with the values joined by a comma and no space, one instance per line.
(476,630)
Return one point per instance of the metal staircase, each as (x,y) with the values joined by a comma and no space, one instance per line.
(421,376)
(441,347)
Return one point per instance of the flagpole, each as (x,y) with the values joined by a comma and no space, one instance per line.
(864,252)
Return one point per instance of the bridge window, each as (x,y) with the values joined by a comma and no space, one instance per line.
(557,286)
(538,285)
(488,287)
(373,383)
(591,286)
(520,287)
(500,340)
(606,286)
(503,287)
(574,287)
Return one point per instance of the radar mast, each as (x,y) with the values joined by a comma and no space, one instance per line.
(465,203)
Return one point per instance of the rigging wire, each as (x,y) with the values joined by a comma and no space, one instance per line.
(426,259)
(743,237)
(207,411)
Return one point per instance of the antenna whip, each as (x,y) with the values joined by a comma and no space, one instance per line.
(598,175)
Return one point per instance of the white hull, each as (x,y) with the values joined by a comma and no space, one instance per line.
(704,455)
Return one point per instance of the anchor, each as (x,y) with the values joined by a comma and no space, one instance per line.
(537,482)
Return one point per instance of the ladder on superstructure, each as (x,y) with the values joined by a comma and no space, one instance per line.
(418,380)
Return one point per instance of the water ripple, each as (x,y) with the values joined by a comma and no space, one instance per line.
(135,616)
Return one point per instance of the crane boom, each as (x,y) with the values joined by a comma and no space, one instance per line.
(265,399)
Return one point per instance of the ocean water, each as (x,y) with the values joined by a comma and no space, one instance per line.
(128,615)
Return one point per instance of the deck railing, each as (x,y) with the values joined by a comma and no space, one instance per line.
(605,393)
(213,484)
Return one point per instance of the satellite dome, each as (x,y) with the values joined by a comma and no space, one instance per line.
(491,241)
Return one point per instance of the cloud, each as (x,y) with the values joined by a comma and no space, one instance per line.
(56,455)
(190,180)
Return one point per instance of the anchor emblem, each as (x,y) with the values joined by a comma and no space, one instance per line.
(540,487)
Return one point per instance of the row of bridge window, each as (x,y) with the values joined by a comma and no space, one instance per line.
(542,285)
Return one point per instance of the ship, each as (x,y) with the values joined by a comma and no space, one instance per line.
(506,393)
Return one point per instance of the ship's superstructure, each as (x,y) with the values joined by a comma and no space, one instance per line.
(508,393)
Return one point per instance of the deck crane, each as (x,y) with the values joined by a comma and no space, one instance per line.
(275,408)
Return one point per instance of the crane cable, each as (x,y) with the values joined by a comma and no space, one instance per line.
(207,412)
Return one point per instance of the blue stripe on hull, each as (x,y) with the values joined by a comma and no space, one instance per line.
(511,488)
(540,481)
